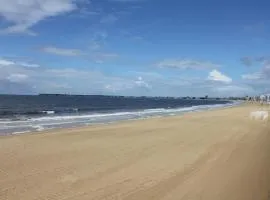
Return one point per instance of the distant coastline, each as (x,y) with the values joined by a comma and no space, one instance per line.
(160,97)
(133,97)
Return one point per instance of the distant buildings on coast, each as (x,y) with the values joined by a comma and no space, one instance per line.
(206,97)
(263,98)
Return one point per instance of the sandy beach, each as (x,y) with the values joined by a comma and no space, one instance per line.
(212,155)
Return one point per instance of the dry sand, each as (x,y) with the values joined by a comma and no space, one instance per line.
(211,155)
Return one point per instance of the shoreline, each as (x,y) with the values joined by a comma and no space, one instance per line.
(82,126)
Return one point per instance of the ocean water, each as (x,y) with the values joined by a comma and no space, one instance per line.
(21,114)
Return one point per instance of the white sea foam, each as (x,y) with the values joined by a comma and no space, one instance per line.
(67,117)
(38,127)
(49,112)
(19,132)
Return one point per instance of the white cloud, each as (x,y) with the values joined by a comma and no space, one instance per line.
(260,79)
(60,86)
(30,65)
(215,75)
(186,64)
(262,74)
(62,51)
(6,62)
(254,76)
(233,90)
(141,83)
(94,53)
(17,78)
(118,85)
(23,14)
(71,73)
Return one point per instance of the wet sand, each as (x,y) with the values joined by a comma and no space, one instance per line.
(211,155)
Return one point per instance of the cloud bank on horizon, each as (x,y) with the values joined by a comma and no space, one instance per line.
(134,47)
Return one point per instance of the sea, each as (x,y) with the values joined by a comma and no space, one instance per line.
(33,113)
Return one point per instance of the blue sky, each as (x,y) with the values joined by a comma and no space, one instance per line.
(134,47)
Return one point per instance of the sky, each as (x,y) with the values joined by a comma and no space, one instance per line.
(135,47)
